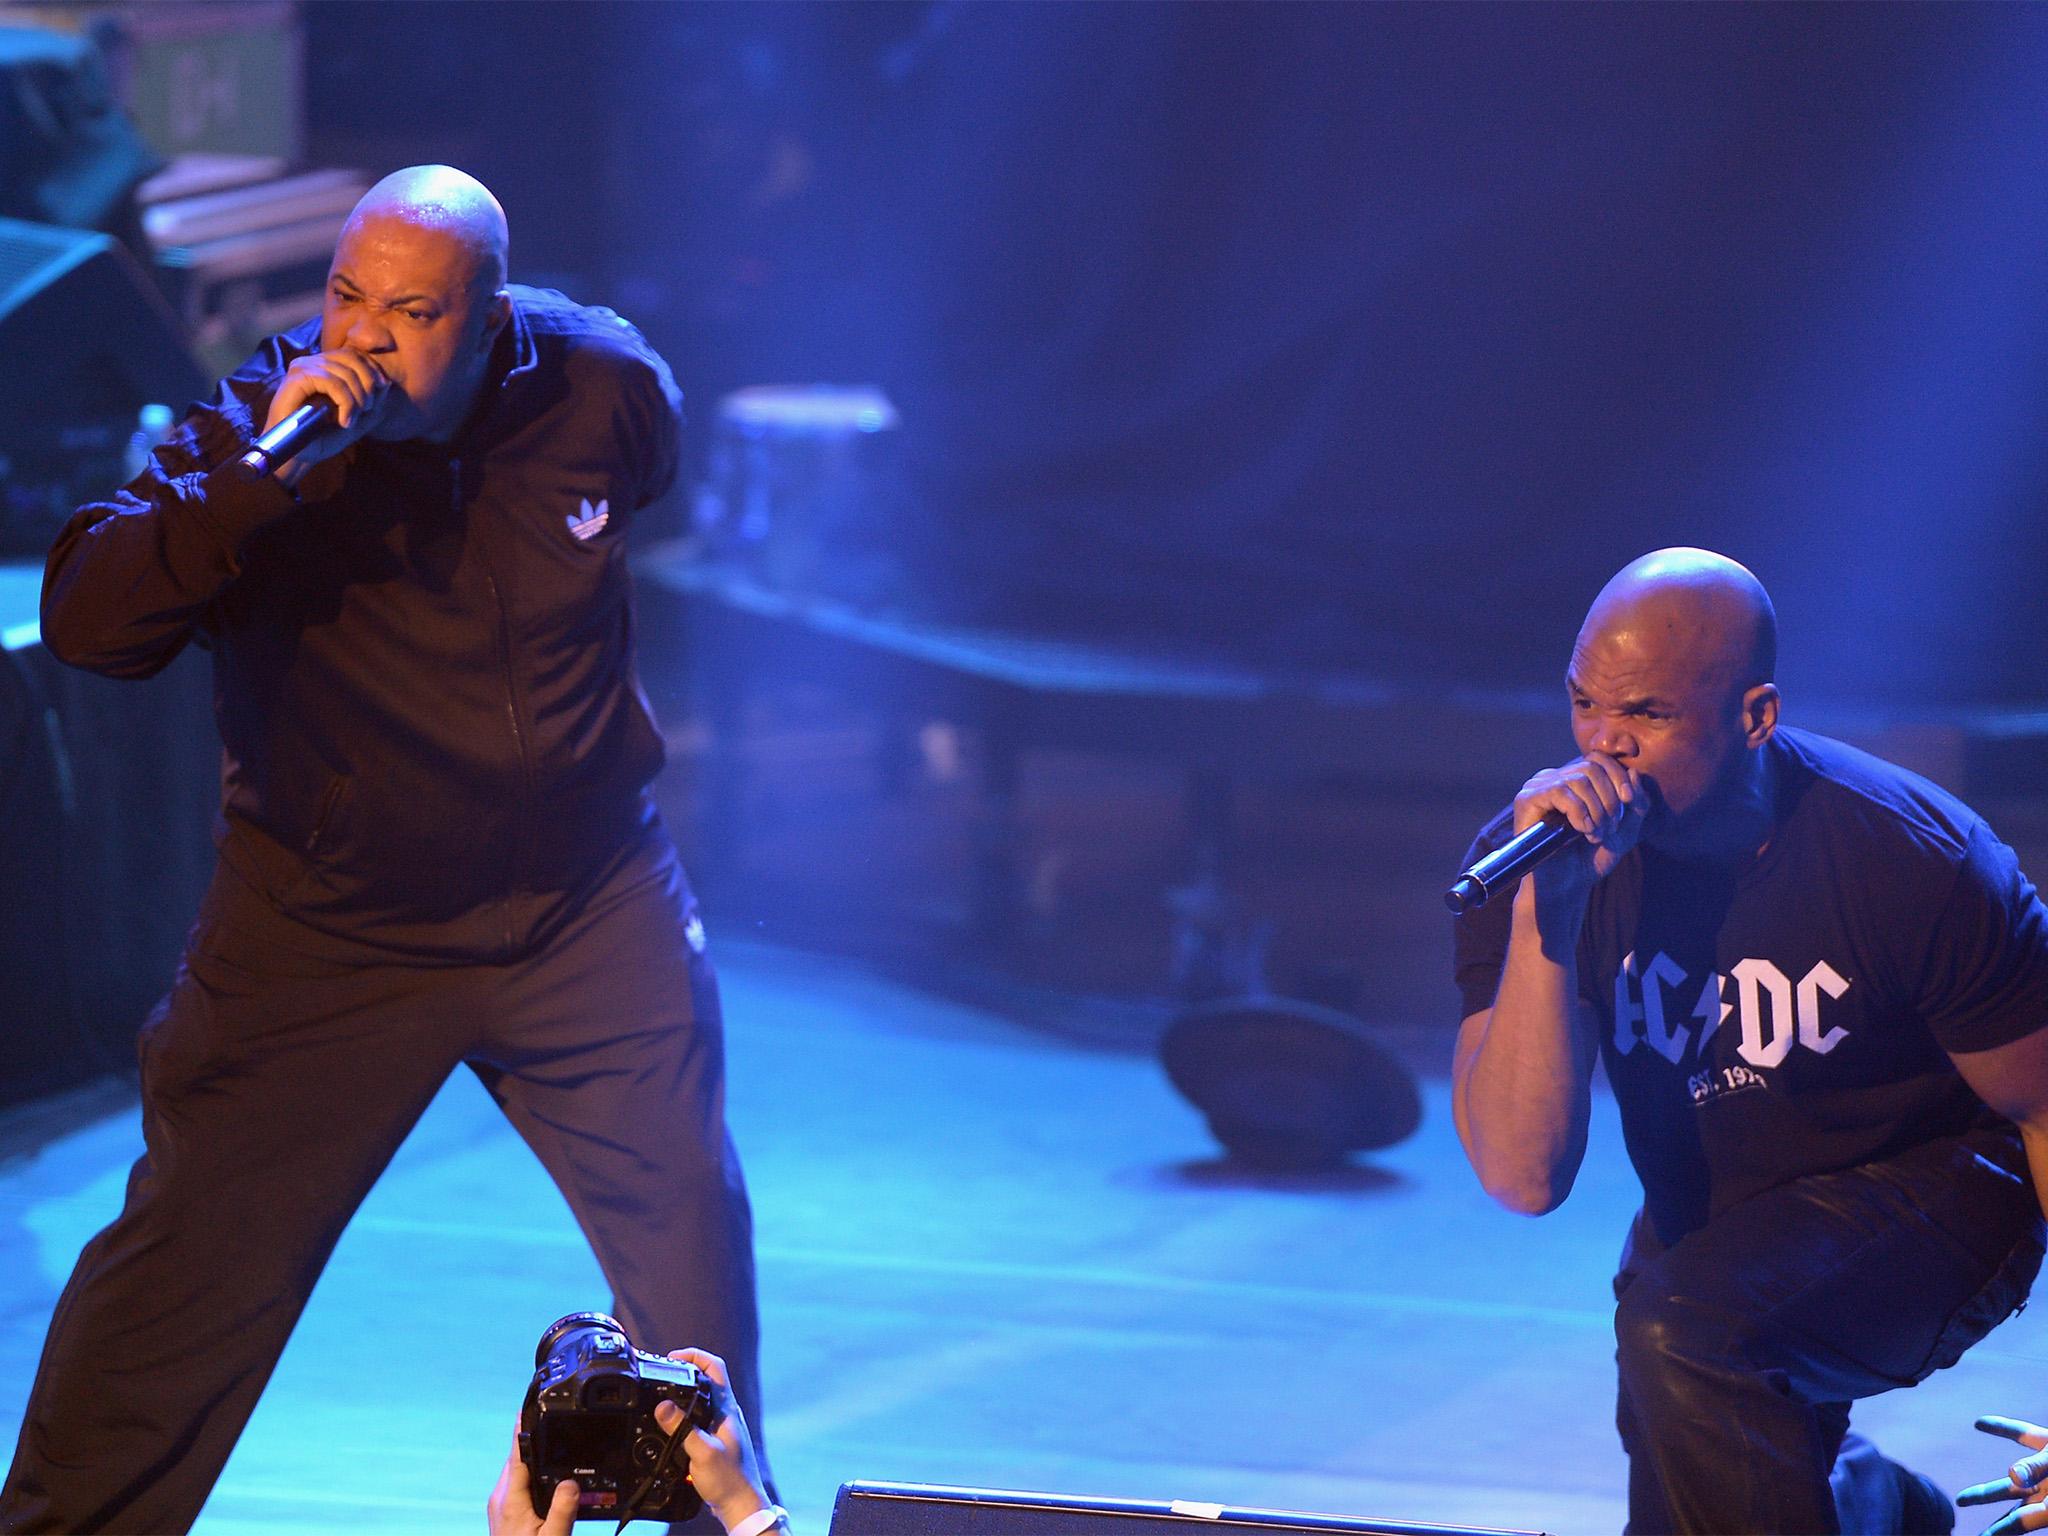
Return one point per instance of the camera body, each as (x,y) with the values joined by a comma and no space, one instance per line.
(589,1415)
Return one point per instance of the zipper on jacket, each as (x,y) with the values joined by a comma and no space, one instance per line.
(520,837)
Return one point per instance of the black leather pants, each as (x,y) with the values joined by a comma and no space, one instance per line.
(1741,1347)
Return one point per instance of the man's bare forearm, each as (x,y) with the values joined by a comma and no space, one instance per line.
(1522,1081)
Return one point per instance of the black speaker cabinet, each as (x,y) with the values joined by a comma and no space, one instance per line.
(38,1044)
(87,342)
(923,1509)
(107,791)
(86,336)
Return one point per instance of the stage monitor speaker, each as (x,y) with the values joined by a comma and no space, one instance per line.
(88,341)
(84,331)
(922,1509)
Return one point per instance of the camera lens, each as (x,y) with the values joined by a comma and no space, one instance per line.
(562,1327)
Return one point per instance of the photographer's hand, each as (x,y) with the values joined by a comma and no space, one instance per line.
(723,1467)
(510,1506)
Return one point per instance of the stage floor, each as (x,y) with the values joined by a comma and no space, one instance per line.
(989,1255)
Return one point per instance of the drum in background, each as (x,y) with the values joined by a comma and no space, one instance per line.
(803,489)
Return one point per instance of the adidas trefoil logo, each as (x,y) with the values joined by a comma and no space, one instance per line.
(591,523)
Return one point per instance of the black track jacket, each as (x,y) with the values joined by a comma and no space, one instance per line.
(423,665)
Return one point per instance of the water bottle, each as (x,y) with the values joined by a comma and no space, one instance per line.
(152,426)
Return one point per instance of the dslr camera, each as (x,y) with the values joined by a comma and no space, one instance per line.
(589,1415)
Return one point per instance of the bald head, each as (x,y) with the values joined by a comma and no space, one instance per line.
(448,202)
(1696,605)
(1671,678)
(417,291)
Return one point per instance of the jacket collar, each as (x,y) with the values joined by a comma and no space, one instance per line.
(514,359)
(525,355)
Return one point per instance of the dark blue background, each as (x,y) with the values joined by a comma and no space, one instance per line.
(1328,335)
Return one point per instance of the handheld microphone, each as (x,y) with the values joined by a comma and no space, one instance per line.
(284,440)
(1513,859)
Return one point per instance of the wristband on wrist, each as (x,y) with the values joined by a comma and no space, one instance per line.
(767,1518)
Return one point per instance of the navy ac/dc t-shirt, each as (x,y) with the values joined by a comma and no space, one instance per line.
(1792,1017)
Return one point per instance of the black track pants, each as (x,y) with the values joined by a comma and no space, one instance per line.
(276,1087)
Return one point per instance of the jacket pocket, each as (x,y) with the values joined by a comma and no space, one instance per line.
(281,862)
(327,820)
